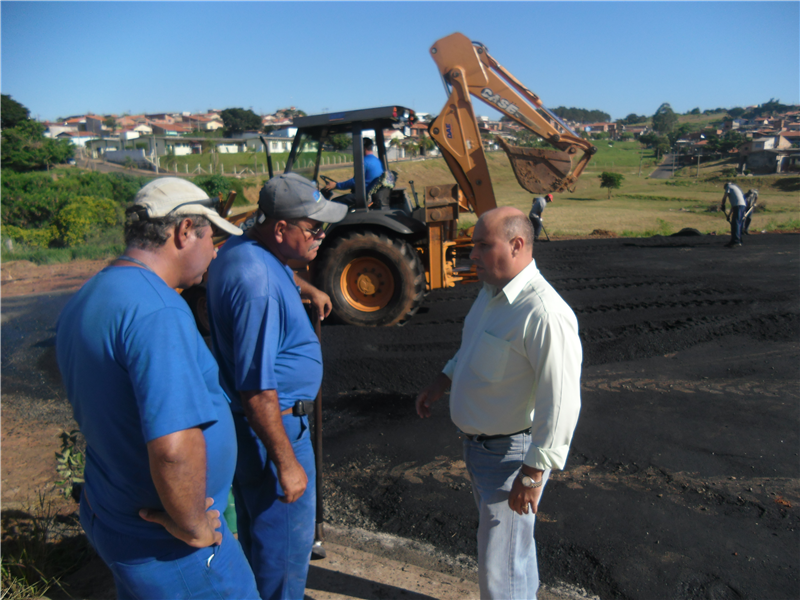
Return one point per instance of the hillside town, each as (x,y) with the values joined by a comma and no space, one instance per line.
(771,143)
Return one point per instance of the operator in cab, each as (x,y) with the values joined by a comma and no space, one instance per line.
(373,169)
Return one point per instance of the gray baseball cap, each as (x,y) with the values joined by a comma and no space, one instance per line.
(292,196)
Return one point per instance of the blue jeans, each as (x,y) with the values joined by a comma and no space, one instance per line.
(214,572)
(276,537)
(537,225)
(507,566)
(737,212)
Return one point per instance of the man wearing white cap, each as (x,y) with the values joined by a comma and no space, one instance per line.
(145,391)
(271,366)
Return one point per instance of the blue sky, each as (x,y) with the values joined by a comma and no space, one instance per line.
(67,58)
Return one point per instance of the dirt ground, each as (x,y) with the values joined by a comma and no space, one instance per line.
(683,478)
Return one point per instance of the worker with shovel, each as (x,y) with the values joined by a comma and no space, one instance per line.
(537,208)
(736,215)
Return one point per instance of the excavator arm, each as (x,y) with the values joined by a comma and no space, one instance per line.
(468,69)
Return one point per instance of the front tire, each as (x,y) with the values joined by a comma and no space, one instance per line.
(373,280)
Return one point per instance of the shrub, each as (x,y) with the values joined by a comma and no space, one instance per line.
(82,216)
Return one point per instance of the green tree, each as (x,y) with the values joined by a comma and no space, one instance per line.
(341,141)
(237,120)
(26,149)
(110,122)
(736,112)
(665,119)
(425,144)
(612,181)
(632,119)
(12,112)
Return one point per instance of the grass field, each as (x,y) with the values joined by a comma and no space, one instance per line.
(642,207)
(254,162)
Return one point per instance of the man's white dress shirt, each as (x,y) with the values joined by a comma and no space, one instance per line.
(519,366)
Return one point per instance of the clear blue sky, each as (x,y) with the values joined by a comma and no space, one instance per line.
(67,58)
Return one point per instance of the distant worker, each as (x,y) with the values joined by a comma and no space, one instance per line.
(736,198)
(145,391)
(750,206)
(514,395)
(537,208)
(373,169)
(271,366)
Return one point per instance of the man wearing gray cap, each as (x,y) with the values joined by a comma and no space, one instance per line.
(145,392)
(271,366)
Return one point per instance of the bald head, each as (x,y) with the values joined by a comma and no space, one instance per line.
(503,241)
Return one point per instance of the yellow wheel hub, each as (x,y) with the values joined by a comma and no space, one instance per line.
(367,284)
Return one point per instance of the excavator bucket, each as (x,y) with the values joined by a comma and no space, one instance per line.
(538,171)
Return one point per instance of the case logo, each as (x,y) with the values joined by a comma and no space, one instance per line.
(499,101)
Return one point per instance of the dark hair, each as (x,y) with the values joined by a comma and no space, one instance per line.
(153,233)
(367,144)
(518,226)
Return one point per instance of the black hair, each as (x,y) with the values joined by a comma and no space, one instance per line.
(149,234)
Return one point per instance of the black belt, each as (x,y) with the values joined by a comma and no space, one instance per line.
(479,437)
(300,409)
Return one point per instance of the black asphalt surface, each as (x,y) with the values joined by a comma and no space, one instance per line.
(683,476)
(682,480)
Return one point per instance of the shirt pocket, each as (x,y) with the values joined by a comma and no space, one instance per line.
(490,357)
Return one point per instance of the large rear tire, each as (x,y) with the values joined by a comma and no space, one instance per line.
(374,280)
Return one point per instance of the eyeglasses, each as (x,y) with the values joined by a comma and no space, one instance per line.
(316,232)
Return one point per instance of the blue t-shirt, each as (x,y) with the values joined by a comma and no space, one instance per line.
(260,331)
(136,369)
(372,170)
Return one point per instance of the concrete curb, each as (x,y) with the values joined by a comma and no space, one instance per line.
(364,564)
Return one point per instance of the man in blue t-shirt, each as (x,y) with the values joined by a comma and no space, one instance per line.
(271,367)
(537,208)
(145,391)
(373,169)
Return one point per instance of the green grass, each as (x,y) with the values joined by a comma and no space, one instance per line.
(255,161)
(39,548)
(642,207)
(49,256)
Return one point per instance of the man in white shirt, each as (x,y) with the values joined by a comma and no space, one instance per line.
(738,203)
(515,396)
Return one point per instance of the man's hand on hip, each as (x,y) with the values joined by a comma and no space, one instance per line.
(203,536)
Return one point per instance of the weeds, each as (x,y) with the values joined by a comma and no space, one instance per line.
(39,548)
(49,256)
(70,462)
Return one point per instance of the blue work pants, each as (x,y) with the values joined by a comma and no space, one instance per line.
(215,572)
(507,566)
(737,212)
(276,537)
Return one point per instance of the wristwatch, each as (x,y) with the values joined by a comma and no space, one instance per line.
(530,483)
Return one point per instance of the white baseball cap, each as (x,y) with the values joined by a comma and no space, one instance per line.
(168,196)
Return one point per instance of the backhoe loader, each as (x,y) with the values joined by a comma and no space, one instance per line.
(378,263)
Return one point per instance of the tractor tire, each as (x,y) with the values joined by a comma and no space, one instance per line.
(196,299)
(373,280)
